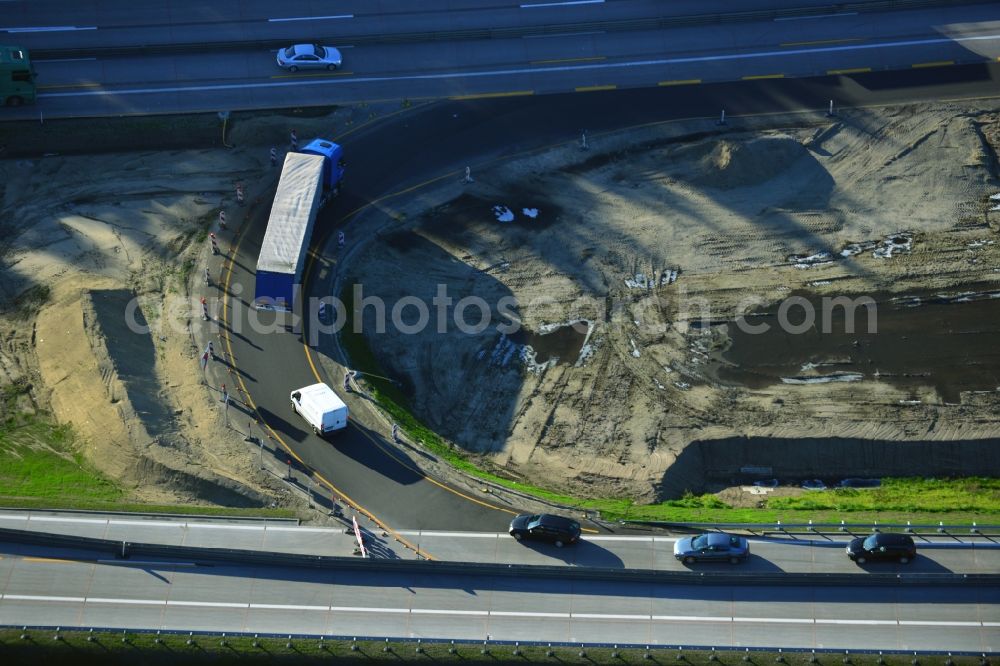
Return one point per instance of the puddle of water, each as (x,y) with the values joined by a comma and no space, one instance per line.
(563,342)
(949,342)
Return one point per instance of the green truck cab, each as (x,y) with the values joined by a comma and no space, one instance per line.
(17,77)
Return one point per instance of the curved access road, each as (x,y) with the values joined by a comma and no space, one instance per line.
(422,145)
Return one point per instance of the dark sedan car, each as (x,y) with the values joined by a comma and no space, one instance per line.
(882,546)
(545,527)
(713,546)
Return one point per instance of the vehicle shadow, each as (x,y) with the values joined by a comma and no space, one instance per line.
(920,565)
(583,553)
(282,425)
(753,564)
(369,448)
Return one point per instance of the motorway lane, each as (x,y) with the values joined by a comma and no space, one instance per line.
(249,79)
(436,140)
(819,554)
(123,23)
(41,587)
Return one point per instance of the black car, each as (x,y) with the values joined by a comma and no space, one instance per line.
(882,546)
(545,527)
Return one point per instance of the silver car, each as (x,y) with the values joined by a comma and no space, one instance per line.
(713,546)
(308,56)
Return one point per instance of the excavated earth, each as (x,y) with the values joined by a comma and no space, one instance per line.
(622,293)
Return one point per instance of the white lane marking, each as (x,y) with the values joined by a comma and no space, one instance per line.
(432,611)
(942,623)
(310,18)
(53,28)
(36,597)
(774,620)
(533,70)
(56,519)
(817,16)
(321,609)
(565,34)
(565,3)
(691,618)
(226,527)
(495,535)
(361,609)
(445,611)
(318,530)
(207,604)
(134,602)
(474,535)
(7,516)
(859,622)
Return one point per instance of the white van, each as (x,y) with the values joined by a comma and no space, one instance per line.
(320,407)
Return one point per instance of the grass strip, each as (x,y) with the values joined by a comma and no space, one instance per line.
(80,647)
(40,469)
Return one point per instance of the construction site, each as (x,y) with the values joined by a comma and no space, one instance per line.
(639,272)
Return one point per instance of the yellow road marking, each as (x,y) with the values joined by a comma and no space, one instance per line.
(296,75)
(756,77)
(49,560)
(561,60)
(595,88)
(935,63)
(512,93)
(679,82)
(58,86)
(824,41)
(277,438)
(455,174)
(388,451)
(849,70)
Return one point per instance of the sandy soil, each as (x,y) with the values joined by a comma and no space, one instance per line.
(629,262)
(102,227)
(627,238)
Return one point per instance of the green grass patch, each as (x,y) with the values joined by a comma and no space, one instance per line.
(40,469)
(37,462)
(104,648)
(903,495)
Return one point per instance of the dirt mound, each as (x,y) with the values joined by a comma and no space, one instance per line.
(659,240)
(90,362)
(726,164)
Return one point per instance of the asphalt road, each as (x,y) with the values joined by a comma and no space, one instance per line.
(773,554)
(68,589)
(437,141)
(233,68)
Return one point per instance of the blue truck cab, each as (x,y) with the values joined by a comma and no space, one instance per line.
(333,165)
